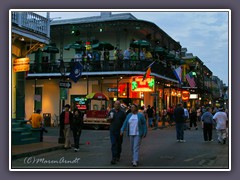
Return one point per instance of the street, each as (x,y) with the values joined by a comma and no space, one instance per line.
(159,150)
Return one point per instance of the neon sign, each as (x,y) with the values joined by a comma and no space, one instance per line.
(140,85)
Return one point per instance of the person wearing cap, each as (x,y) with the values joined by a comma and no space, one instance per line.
(66,118)
(221,120)
(136,126)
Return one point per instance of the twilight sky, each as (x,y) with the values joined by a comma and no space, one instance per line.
(205,33)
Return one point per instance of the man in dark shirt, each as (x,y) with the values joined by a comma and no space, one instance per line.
(179,120)
(116,118)
(150,116)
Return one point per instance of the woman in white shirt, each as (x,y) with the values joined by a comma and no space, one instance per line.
(136,130)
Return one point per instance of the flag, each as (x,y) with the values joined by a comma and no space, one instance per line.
(178,73)
(190,79)
(76,73)
(148,72)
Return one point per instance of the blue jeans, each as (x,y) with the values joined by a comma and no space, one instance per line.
(135,145)
(150,122)
(116,141)
(180,130)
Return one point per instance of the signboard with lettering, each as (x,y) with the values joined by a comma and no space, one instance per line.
(21,64)
(80,103)
(140,85)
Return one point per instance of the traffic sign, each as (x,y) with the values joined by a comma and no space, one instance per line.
(112,89)
(63,84)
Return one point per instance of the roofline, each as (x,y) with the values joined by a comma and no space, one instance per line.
(121,20)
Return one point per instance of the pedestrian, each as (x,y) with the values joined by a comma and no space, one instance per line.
(150,114)
(136,126)
(207,124)
(179,121)
(170,114)
(164,117)
(116,119)
(66,118)
(199,114)
(186,117)
(103,108)
(193,118)
(76,127)
(141,110)
(221,120)
(36,121)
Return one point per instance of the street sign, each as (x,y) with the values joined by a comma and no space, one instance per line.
(63,93)
(154,94)
(63,84)
(112,89)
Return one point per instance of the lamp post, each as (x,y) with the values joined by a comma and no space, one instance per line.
(61,138)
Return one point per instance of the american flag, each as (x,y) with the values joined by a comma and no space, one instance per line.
(190,80)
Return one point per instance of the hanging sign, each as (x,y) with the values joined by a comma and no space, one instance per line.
(21,64)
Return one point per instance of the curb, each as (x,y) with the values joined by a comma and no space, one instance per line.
(36,152)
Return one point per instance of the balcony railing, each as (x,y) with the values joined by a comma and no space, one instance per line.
(31,21)
(104,66)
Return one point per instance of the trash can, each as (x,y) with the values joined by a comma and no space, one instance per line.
(47,119)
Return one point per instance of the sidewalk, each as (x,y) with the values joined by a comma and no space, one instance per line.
(50,144)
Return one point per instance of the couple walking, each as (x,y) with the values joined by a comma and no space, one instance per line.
(136,126)
(74,122)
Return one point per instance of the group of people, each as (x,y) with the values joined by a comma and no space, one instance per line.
(135,123)
(95,59)
(210,120)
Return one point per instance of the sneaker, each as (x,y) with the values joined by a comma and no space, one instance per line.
(134,164)
(183,141)
(211,140)
(117,159)
(178,140)
(76,149)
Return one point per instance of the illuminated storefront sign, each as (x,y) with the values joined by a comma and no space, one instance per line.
(193,96)
(81,103)
(138,85)
(185,95)
(21,64)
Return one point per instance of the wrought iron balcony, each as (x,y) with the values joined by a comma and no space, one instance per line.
(104,66)
(31,22)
